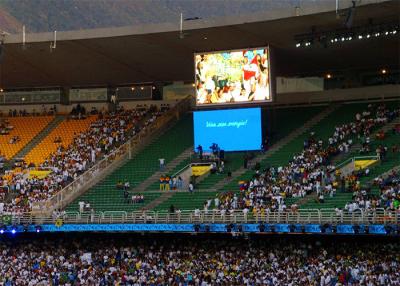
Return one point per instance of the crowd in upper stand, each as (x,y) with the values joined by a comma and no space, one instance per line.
(310,170)
(131,261)
(388,198)
(104,135)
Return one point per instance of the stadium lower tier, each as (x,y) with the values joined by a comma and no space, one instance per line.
(133,260)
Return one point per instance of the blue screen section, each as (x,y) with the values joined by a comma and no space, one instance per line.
(231,129)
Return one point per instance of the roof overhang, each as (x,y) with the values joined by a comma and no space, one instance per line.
(156,53)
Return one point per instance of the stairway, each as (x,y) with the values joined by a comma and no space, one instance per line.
(37,139)
(169,169)
(158,201)
(172,142)
(389,172)
(357,146)
(279,145)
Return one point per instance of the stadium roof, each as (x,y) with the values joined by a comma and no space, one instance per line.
(152,53)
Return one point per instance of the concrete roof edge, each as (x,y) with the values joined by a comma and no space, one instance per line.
(276,14)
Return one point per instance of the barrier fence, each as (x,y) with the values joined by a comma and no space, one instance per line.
(304,216)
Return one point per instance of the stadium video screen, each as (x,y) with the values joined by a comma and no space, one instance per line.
(231,129)
(232,77)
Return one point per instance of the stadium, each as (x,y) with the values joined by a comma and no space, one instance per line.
(255,145)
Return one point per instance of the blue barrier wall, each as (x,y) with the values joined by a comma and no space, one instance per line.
(213,228)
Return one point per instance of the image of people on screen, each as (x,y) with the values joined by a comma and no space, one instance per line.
(232,77)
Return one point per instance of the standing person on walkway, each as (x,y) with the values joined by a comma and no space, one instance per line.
(191,187)
(162,163)
(162,183)
(81,206)
(167,180)
(180,183)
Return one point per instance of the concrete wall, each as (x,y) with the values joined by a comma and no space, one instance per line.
(88,105)
(351,94)
(180,90)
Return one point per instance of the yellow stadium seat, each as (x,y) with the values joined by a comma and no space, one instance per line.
(24,127)
(66,130)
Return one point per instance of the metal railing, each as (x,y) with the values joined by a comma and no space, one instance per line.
(353,159)
(109,163)
(304,216)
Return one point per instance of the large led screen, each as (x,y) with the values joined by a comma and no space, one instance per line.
(231,129)
(229,77)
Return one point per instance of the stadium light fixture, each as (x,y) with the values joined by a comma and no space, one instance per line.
(383,71)
(334,36)
(132,88)
(1,90)
(142,87)
(328,76)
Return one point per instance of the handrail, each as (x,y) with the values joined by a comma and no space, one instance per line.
(108,163)
(302,216)
(181,170)
(352,159)
(344,163)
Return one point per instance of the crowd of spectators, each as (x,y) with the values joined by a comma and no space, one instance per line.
(168,183)
(203,261)
(388,195)
(104,136)
(307,172)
